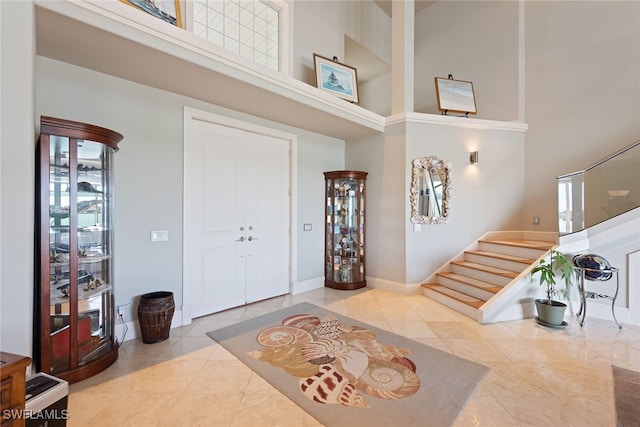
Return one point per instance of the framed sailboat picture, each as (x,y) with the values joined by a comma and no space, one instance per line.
(336,78)
(455,95)
(167,10)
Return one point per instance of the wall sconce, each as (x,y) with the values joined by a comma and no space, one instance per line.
(473,157)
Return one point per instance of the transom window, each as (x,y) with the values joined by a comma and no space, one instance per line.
(248,27)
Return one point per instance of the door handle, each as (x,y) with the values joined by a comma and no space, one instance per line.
(252,238)
(241,239)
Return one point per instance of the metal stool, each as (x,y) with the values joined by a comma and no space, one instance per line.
(584,294)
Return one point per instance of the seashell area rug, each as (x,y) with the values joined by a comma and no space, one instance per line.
(348,373)
(626,388)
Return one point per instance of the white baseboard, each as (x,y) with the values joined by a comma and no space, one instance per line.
(515,311)
(372,282)
(133,327)
(307,285)
(395,287)
(601,311)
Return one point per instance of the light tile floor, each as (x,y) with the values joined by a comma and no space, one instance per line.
(539,376)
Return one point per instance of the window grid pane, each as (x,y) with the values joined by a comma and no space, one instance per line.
(247,27)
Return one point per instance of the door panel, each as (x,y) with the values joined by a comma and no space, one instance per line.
(213,227)
(219,165)
(216,264)
(269,247)
(237,221)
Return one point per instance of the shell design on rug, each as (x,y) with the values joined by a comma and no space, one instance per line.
(388,380)
(330,386)
(329,327)
(337,363)
(348,359)
(288,357)
(277,336)
(404,362)
(302,321)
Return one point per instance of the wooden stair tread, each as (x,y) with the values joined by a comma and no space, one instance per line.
(504,257)
(470,281)
(455,295)
(532,244)
(486,268)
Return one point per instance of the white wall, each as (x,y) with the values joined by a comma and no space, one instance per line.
(17,177)
(485,197)
(383,158)
(582,92)
(148,173)
(319,28)
(475,41)
(581,79)
(315,156)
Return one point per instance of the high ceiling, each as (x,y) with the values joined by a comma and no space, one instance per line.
(385,5)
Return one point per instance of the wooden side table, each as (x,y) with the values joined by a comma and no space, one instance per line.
(12,371)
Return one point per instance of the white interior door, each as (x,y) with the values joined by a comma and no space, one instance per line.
(236,218)
(267,219)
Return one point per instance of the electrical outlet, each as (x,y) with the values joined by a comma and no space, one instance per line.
(121,311)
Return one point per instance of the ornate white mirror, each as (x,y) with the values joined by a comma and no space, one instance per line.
(430,190)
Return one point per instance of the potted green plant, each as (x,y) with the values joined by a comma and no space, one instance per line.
(551,312)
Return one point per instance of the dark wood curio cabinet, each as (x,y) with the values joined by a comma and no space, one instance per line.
(74,281)
(344,265)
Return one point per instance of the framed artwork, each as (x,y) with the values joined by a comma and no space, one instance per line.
(455,95)
(336,78)
(167,10)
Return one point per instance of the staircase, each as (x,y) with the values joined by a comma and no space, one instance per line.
(489,280)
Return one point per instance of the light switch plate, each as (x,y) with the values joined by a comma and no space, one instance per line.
(307,227)
(159,235)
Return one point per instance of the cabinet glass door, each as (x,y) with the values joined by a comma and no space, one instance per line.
(59,238)
(74,286)
(94,237)
(345,233)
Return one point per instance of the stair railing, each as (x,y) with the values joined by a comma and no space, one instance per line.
(602,191)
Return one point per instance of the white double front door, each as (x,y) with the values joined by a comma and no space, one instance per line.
(236,229)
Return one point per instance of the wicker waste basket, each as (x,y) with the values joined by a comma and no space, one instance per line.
(155,312)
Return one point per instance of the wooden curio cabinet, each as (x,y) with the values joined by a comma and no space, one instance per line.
(344,265)
(74,281)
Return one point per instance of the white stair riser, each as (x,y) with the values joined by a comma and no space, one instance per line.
(465,289)
(496,262)
(451,303)
(480,275)
(511,250)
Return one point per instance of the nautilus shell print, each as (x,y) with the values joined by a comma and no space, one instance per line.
(288,357)
(277,336)
(337,363)
(388,380)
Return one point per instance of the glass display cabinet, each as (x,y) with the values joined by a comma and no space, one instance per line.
(344,266)
(74,281)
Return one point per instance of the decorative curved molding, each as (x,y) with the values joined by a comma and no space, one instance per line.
(459,122)
(432,164)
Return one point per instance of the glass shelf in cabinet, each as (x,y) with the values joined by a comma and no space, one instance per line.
(58,297)
(57,262)
(91,259)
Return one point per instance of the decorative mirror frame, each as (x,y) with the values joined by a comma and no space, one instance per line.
(431,164)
